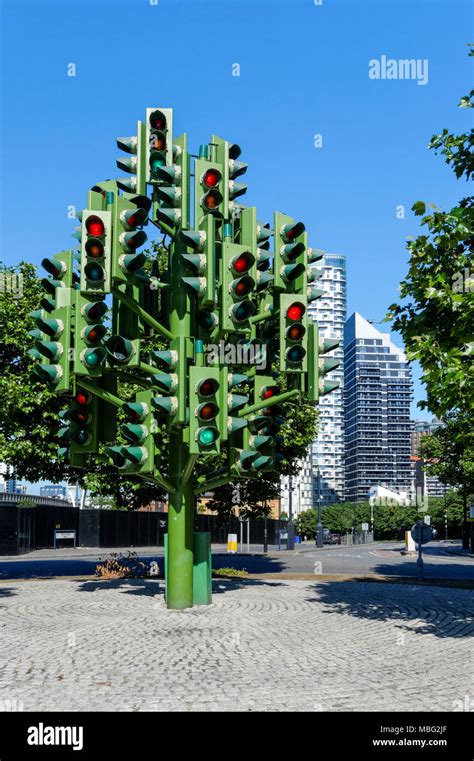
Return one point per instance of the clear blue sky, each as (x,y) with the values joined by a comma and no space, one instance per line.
(303,70)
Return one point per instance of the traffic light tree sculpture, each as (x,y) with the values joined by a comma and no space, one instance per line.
(230,314)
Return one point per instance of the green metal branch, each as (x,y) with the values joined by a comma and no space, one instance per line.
(188,469)
(107,396)
(142,313)
(157,478)
(267,403)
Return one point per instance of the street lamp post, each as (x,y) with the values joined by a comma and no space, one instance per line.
(290,542)
(319,538)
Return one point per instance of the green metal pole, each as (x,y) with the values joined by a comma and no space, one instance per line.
(179,582)
(142,313)
(267,403)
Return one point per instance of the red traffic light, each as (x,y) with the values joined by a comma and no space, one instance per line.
(158,120)
(295,311)
(95,226)
(211,178)
(268,391)
(242,263)
(208,387)
(290,232)
(82,398)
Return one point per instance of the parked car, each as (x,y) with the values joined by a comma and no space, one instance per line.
(334,539)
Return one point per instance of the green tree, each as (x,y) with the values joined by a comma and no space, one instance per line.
(306,523)
(449,454)
(436,315)
(450,507)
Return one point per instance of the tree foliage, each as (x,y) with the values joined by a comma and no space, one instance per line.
(436,315)
(449,452)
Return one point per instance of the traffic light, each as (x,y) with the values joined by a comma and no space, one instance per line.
(230,402)
(159,142)
(53,338)
(172,381)
(263,439)
(208,189)
(290,258)
(121,350)
(172,194)
(318,367)
(95,240)
(238,287)
(293,333)
(135,164)
(129,216)
(89,335)
(81,425)
(202,264)
(226,155)
(204,417)
(60,268)
(138,431)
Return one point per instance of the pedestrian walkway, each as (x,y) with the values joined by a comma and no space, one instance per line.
(261,645)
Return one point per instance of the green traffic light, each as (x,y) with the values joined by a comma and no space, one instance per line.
(207,436)
(93,357)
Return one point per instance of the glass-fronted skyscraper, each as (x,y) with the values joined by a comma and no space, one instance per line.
(328,449)
(378,392)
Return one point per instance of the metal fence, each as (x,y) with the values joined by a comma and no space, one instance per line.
(23,529)
(357,537)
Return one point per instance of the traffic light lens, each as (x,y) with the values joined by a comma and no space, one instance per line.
(93,336)
(242,263)
(95,227)
(295,332)
(82,437)
(208,411)
(207,436)
(241,289)
(295,312)
(206,319)
(211,200)
(94,249)
(211,178)
(156,163)
(269,391)
(208,387)
(295,354)
(82,398)
(92,359)
(94,273)
(158,120)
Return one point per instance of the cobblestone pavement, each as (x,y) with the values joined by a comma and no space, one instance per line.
(261,645)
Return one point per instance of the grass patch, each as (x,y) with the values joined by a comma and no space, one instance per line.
(229,572)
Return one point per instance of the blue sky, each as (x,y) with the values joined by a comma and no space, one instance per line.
(303,71)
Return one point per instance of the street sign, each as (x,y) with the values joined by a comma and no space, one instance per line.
(365,527)
(421,533)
